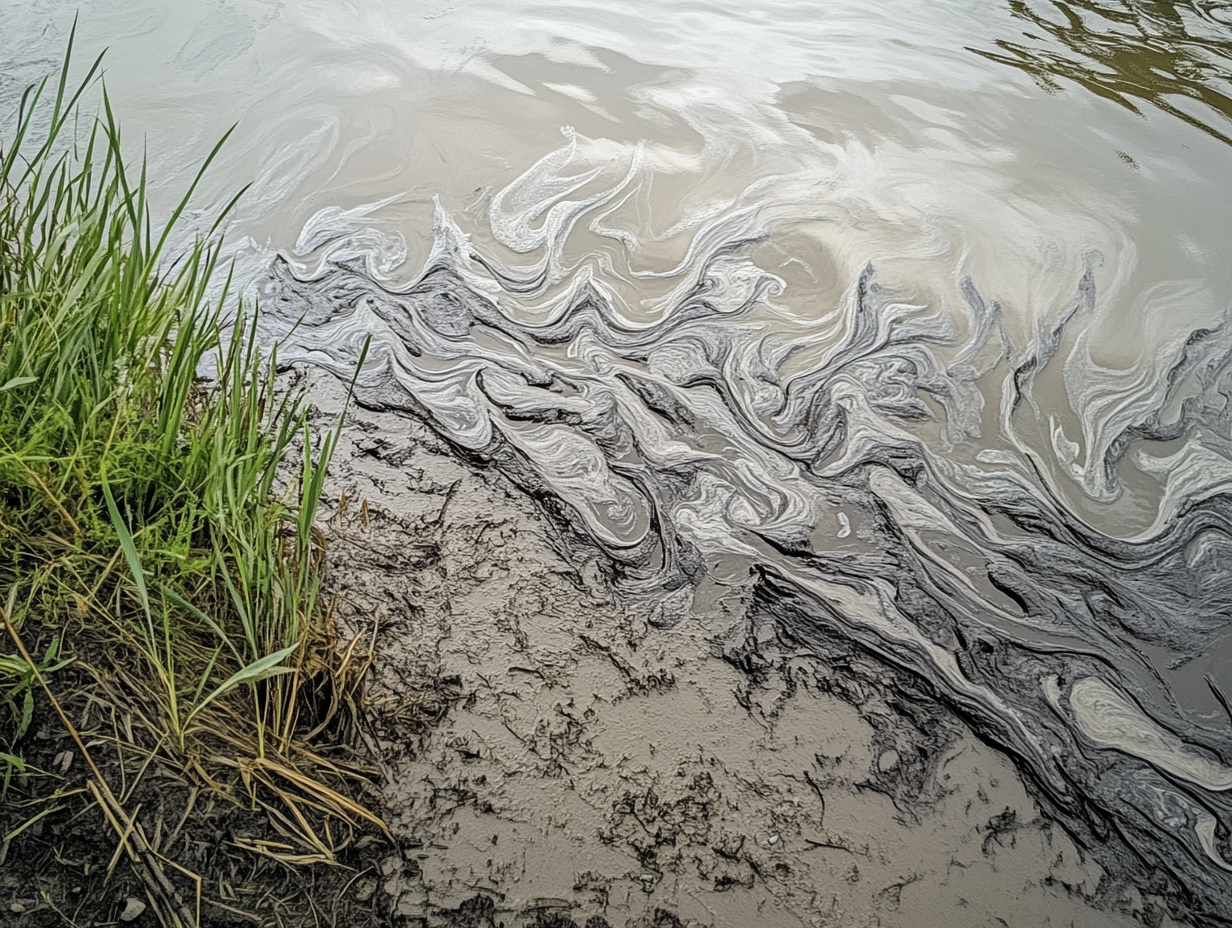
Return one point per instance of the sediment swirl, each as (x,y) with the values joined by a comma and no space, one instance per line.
(905,471)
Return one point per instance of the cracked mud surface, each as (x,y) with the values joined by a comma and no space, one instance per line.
(552,758)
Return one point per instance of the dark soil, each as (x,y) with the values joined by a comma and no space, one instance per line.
(65,868)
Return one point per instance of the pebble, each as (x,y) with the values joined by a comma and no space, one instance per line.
(132,908)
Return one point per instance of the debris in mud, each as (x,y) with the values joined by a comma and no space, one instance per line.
(584,768)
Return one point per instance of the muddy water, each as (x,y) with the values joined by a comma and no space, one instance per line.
(905,325)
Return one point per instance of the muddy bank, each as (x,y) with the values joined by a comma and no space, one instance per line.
(553,756)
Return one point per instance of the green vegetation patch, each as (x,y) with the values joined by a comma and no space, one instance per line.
(157,548)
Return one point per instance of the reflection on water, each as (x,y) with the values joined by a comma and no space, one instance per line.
(1132,51)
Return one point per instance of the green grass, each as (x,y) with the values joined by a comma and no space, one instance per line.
(156,528)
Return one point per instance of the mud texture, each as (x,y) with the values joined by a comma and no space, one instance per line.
(553,758)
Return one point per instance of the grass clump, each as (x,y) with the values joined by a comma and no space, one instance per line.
(156,528)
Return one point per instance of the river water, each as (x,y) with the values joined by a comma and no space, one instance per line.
(917,312)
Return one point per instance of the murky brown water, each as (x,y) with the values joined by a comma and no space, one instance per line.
(917,312)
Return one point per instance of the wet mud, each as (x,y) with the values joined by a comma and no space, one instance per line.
(553,756)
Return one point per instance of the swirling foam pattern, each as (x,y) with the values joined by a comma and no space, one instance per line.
(905,469)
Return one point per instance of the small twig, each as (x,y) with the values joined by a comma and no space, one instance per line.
(333,918)
(240,912)
(195,877)
(188,807)
(828,844)
(145,766)
(157,909)
(147,868)
(820,795)
(124,836)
